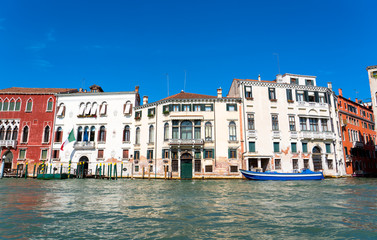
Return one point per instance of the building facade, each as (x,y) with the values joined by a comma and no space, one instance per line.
(26,122)
(358,136)
(189,136)
(290,124)
(102,123)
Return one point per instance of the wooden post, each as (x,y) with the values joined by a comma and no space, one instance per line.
(95,174)
(121,170)
(149,173)
(35,165)
(26,170)
(115,171)
(165,171)
(100,169)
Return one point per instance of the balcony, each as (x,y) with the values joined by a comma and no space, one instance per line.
(358,144)
(294,135)
(84,146)
(8,143)
(317,135)
(275,134)
(252,133)
(186,142)
(312,104)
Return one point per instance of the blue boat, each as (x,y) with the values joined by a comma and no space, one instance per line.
(305,174)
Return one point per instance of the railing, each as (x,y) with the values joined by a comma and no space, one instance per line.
(84,145)
(317,135)
(294,134)
(358,144)
(186,141)
(252,133)
(276,134)
(8,143)
(312,104)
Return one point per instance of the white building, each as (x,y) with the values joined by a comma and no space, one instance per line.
(372,74)
(102,123)
(290,124)
(188,136)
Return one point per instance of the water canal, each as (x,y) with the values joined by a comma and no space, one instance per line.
(149,209)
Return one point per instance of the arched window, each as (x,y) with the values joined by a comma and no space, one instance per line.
(316,150)
(1,105)
(15,133)
(208,131)
(18,105)
(137,138)
(61,111)
(88,108)
(29,105)
(25,134)
(49,105)
(151,134)
(92,133)
(5,105)
(103,108)
(11,105)
(8,134)
(81,109)
(127,108)
(186,130)
(2,133)
(58,135)
(126,134)
(232,131)
(166,132)
(102,134)
(93,112)
(79,134)
(86,134)
(46,137)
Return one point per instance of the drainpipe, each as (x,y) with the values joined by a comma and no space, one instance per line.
(244,112)
(214,128)
(155,144)
(53,131)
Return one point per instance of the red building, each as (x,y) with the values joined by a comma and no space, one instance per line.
(359,137)
(26,122)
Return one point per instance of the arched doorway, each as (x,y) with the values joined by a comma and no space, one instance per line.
(317,160)
(186,166)
(7,161)
(85,160)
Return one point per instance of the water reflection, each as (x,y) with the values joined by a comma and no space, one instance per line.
(142,209)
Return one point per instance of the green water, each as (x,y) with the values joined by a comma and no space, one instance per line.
(142,209)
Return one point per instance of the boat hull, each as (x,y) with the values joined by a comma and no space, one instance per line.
(263,176)
(52,176)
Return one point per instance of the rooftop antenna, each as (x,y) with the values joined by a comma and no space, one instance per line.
(184,85)
(277,56)
(83,83)
(356,92)
(167,79)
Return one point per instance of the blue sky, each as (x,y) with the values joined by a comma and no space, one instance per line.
(120,44)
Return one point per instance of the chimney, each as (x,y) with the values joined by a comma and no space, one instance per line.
(340,92)
(145,100)
(137,89)
(279,78)
(259,77)
(356,100)
(80,89)
(329,85)
(219,93)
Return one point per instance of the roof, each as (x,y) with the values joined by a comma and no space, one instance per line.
(184,95)
(253,80)
(20,90)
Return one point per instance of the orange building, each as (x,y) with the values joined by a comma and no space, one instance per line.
(358,136)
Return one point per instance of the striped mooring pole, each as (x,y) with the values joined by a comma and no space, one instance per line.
(115,171)
(69,168)
(100,169)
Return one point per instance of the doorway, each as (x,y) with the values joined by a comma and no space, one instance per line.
(85,160)
(8,161)
(317,160)
(186,166)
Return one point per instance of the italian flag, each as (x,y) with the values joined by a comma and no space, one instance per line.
(71,138)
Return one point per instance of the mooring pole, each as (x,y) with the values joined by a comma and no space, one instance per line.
(115,171)
(17,171)
(26,170)
(121,171)
(99,172)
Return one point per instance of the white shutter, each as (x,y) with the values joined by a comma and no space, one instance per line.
(60,111)
(87,110)
(94,109)
(103,109)
(82,108)
(248,89)
(127,108)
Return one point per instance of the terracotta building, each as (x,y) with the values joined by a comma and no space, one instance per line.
(358,136)
(26,122)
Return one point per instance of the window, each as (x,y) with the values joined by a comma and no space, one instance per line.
(174,154)
(303,126)
(208,131)
(125,153)
(126,133)
(294,81)
(138,115)
(175,129)
(232,131)
(100,154)
(271,94)
(151,112)
(175,108)
(197,108)
(186,130)
(198,154)
(324,125)
(58,135)
(208,153)
(292,123)
(276,147)
(103,109)
(275,122)
(165,153)
(232,153)
(88,108)
(309,82)
(151,168)
(289,95)
(149,154)
(250,121)
(137,136)
(5,105)
(86,134)
(79,134)
(322,98)
(8,134)
(329,164)
(29,105)
(328,148)
(198,165)
(61,111)
(174,165)
(208,168)
(92,134)
(295,163)
(251,146)
(304,147)
(208,108)
(248,92)
(277,164)
(186,107)
(55,154)
(306,163)
(197,130)
(294,147)
(15,133)
(313,122)
(136,155)
(127,108)
(136,168)
(46,136)
(1,105)
(49,105)
(2,133)
(102,134)
(11,105)
(151,134)
(18,105)
(22,154)
(166,132)
(231,107)
(299,96)
(233,169)
(44,154)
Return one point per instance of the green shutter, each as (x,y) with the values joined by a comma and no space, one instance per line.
(18,106)
(294,147)
(276,147)
(304,147)
(328,148)
(229,155)
(251,146)
(296,96)
(269,95)
(316,97)
(1,106)
(306,96)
